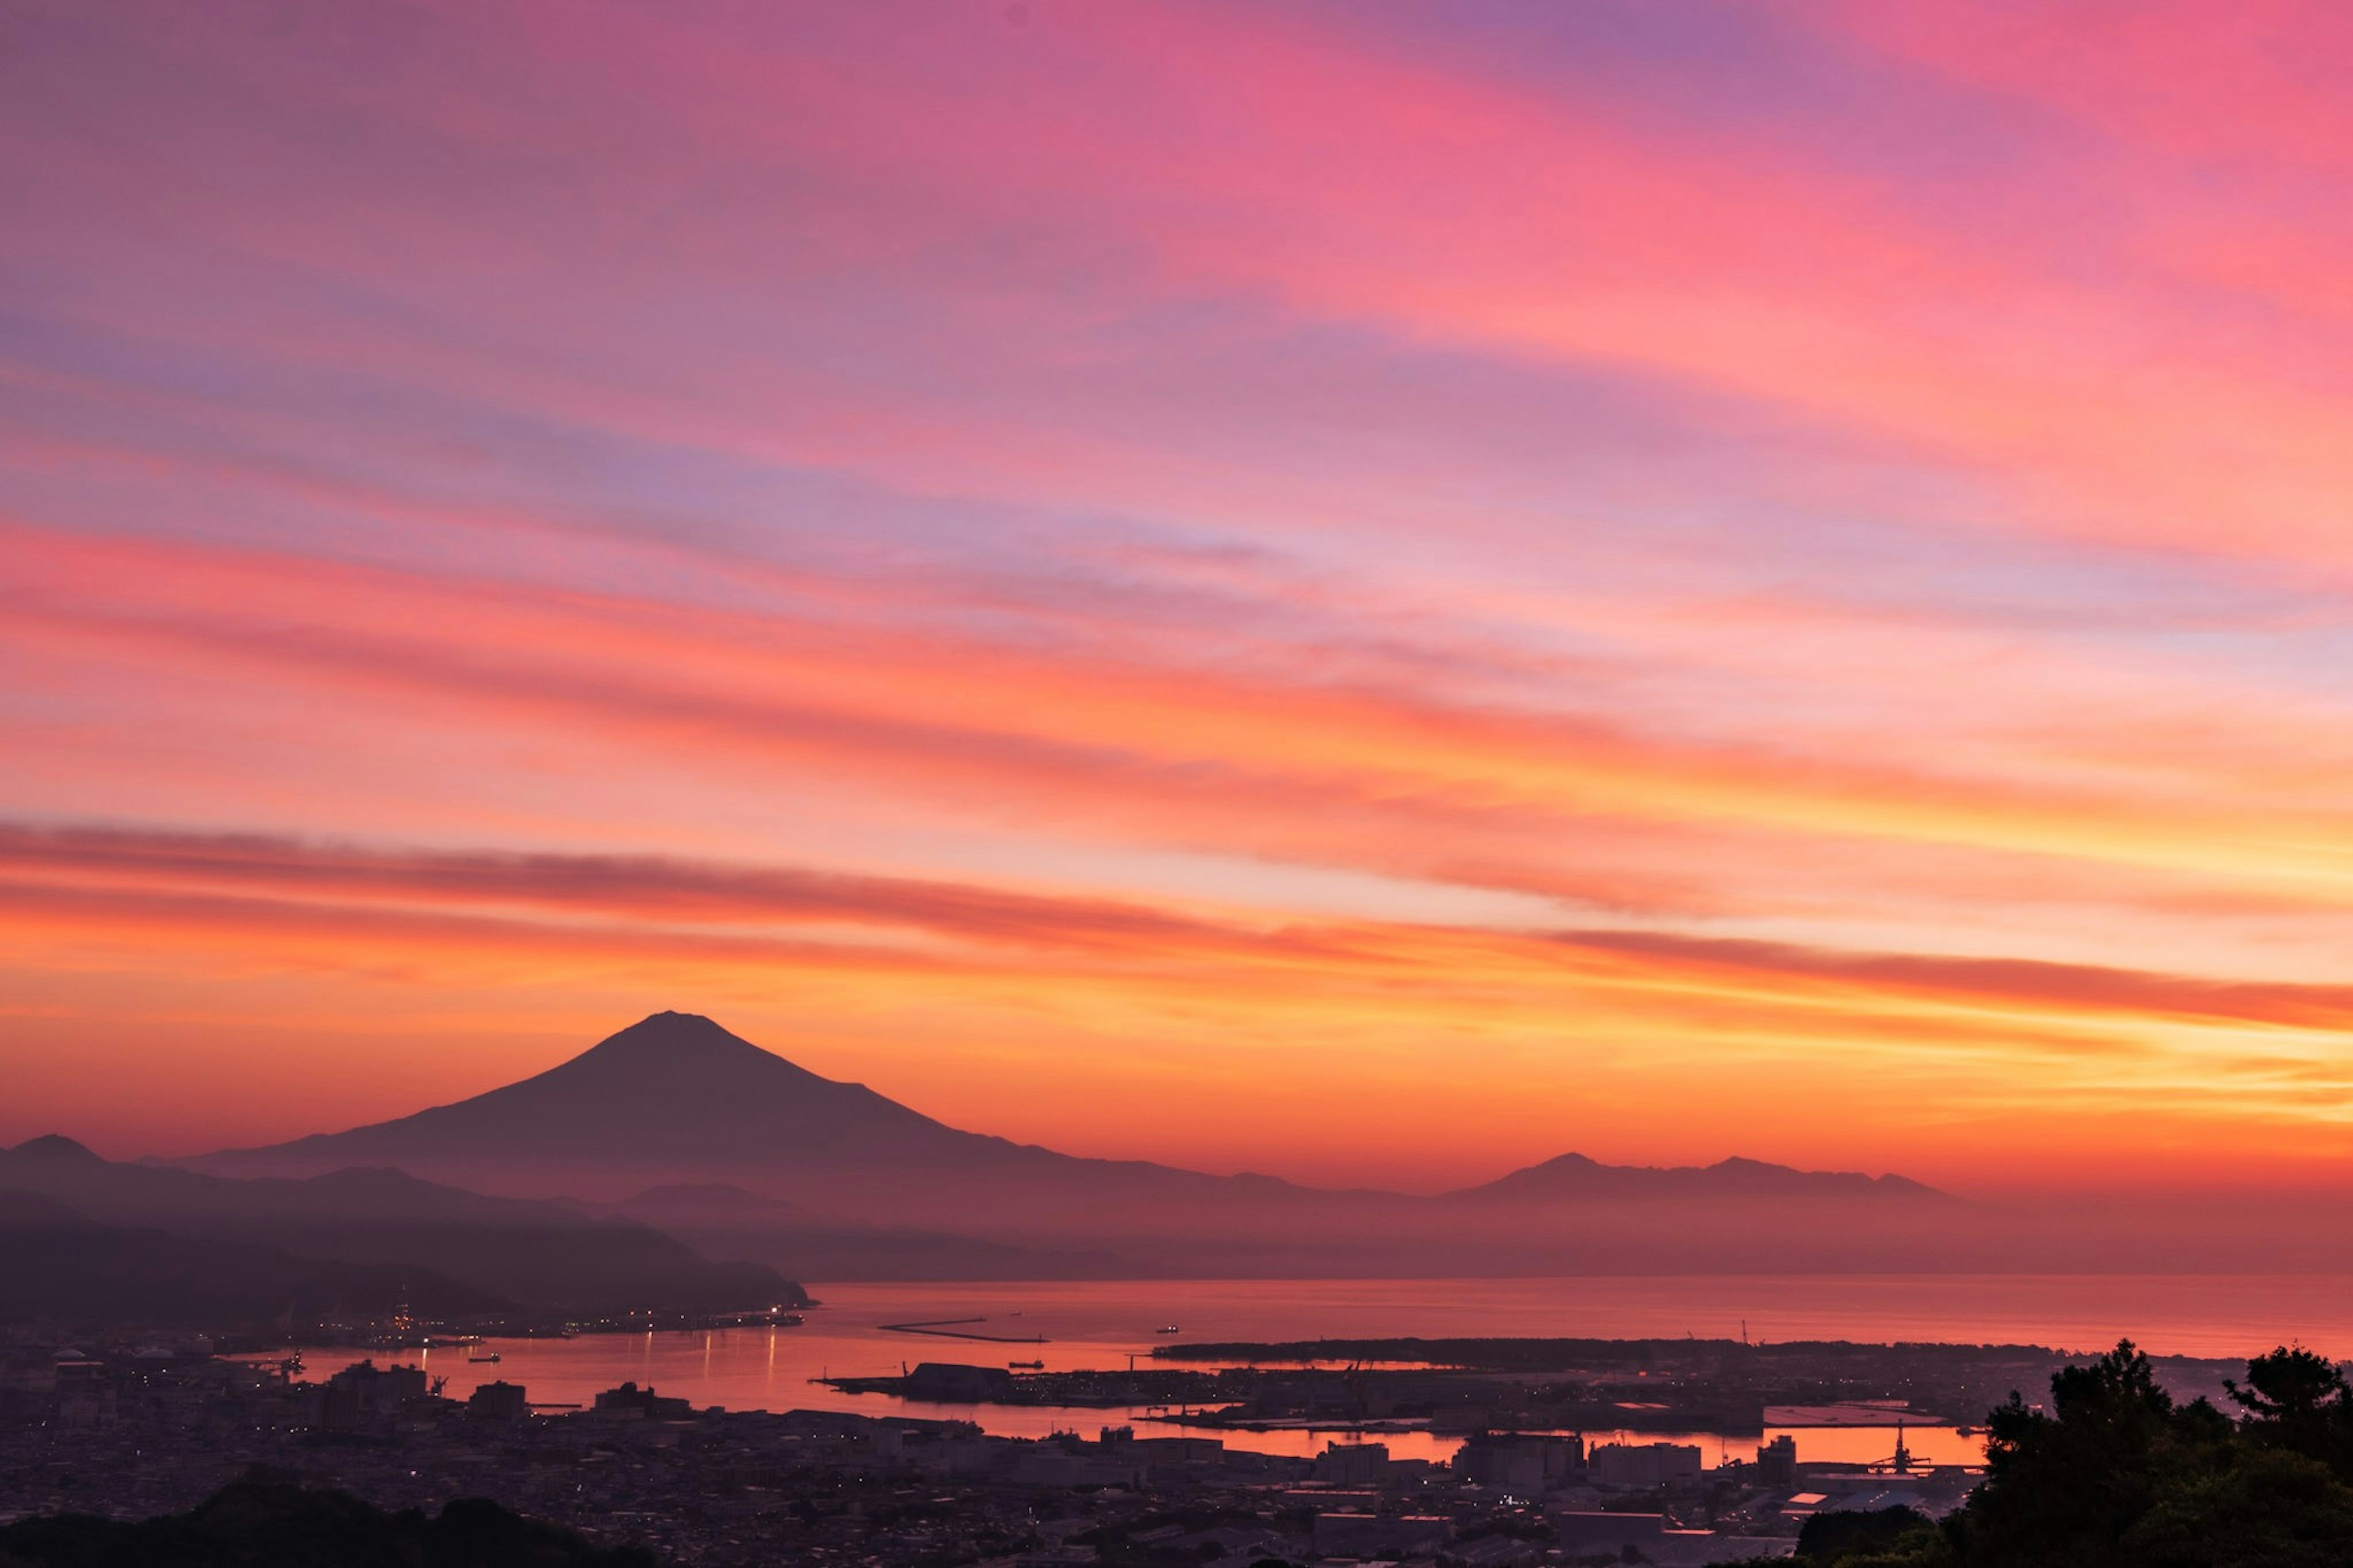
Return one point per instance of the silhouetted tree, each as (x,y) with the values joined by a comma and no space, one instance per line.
(1837,1539)
(2300,1401)
(2062,1488)
(2117,1475)
(259,1524)
(2267,1508)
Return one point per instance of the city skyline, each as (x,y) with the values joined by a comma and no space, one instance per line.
(1342,591)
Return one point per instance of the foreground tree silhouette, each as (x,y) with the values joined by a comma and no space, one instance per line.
(2116,1474)
(2269,1509)
(262,1523)
(2300,1401)
(2064,1487)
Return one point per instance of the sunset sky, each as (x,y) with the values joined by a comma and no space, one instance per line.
(1374,593)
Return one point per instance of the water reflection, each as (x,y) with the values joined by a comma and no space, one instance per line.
(1106,1326)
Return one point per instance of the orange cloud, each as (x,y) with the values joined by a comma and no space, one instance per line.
(1489,582)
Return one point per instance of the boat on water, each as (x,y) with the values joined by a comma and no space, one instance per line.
(1167,1329)
(1025,1366)
(478,1360)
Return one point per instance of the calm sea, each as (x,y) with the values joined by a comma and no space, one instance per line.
(1100,1324)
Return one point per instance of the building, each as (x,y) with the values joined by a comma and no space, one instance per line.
(1776,1462)
(366,1394)
(1122,1442)
(630,1402)
(1380,1535)
(1353,1464)
(1586,1534)
(499,1402)
(1520,1462)
(1644,1465)
(1069,1462)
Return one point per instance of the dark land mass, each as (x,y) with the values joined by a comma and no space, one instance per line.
(731,1146)
(266,1524)
(539,1254)
(1563,1355)
(57,1266)
(1542,1385)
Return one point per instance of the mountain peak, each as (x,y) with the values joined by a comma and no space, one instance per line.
(56,1146)
(665,1055)
(673,1034)
(673,1095)
(667,1049)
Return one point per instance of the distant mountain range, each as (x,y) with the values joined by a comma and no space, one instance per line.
(676,1121)
(530,1255)
(1573,1176)
(620,1174)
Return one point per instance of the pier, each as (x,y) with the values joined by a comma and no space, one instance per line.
(951,1329)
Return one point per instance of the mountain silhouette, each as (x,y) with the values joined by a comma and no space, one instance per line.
(675,1099)
(740,1153)
(55,1151)
(1576,1176)
(64,1267)
(672,1084)
(672,1087)
(535,1254)
(731,1145)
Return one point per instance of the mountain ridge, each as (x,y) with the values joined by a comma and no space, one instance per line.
(66,1266)
(754,1109)
(1575,1175)
(535,1252)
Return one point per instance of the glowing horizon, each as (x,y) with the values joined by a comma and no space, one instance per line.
(1327,589)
